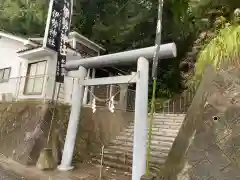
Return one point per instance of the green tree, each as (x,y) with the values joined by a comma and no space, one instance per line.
(22,17)
(220,52)
(117,25)
(210,17)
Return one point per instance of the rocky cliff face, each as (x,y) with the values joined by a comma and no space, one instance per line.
(207,146)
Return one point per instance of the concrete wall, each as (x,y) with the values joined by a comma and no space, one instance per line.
(24,130)
(98,129)
(207,148)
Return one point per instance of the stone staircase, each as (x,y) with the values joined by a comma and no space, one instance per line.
(118,154)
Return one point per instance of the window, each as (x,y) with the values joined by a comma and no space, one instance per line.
(35,77)
(5,74)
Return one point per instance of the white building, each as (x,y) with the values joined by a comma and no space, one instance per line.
(27,70)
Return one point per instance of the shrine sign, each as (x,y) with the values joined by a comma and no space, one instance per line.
(57,31)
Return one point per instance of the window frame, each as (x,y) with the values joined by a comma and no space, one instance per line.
(2,80)
(28,77)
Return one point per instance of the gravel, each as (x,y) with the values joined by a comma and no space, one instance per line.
(7,175)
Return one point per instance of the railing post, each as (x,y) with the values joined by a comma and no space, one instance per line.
(168,107)
(180,104)
(173,104)
(185,100)
(163,107)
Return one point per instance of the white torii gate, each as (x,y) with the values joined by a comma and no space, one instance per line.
(139,56)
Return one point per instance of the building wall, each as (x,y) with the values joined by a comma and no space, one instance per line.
(49,78)
(19,67)
(9,58)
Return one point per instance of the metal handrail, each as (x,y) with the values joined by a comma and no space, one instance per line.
(178,104)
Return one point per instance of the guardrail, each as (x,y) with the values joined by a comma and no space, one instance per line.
(176,105)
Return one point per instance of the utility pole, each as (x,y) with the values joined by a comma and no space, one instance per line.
(154,77)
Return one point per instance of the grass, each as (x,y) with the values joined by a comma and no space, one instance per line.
(221,52)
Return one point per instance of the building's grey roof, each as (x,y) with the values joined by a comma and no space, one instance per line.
(37,45)
(28,49)
(36,42)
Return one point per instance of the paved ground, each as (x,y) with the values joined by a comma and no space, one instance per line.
(7,175)
(108,174)
(11,170)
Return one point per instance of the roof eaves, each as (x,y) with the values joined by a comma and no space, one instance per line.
(13,37)
(29,49)
(81,37)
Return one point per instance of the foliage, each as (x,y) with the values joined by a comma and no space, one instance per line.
(221,52)
(211,16)
(117,25)
(22,17)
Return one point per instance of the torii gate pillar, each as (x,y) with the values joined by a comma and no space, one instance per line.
(140,120)
(77,101)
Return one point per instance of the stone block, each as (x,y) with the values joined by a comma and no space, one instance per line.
(149,177)
(46,160)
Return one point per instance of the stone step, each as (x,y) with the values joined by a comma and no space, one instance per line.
(161,137)
(165,121)
(165,129)
(155,132)
(128,152)
(160,122)
(154,144)
(168,120)
(127,147)
(154,138)
(168,115)
(127,160)
(155,127)
(113,163)
(128,132)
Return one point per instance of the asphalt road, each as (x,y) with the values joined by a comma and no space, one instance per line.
(7,175)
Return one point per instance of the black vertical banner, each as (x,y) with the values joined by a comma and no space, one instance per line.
(57,31)
(65,30)
(53,25)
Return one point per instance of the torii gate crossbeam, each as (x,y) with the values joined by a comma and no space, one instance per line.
(122,58)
